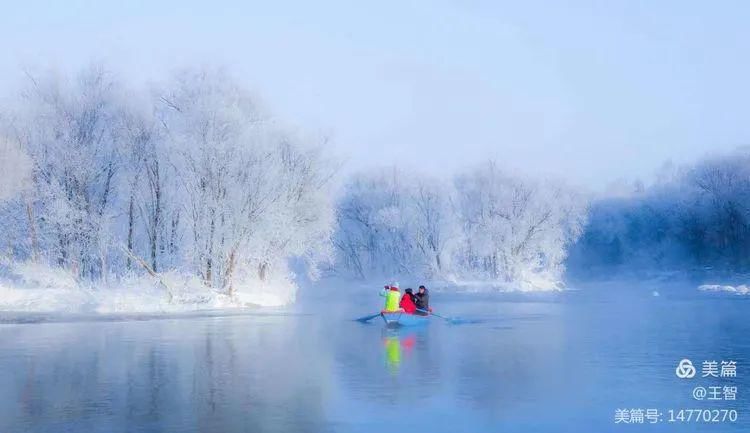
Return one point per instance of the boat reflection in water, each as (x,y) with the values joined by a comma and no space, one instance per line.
(398,343)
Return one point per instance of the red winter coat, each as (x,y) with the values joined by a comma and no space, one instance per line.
(407,304)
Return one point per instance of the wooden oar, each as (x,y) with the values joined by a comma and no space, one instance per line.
(434,314)
(366,319)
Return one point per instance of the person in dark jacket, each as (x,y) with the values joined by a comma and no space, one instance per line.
(423,299)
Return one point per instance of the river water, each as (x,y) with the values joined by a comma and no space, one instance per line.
(562,362)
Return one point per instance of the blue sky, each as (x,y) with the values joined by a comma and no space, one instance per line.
(588,91)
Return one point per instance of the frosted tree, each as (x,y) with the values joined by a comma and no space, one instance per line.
(254,196)
(694,217)
(356,236)
(721,188)
(16,206)
(515,228)
(486,225)
(150,182)
(193,178)
(432,224)
(70,130)
(375,234)
(15,165)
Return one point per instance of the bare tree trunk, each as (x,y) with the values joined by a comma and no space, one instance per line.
(153,251)
(150,271)
(228,279)
(75,268)
(63,258)
(157,216)
(173,234)
(209,258)
(131,225)
(209,271)
(32,231)
(103,259)
(263,271)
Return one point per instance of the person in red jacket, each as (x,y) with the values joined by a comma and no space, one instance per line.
(407,303)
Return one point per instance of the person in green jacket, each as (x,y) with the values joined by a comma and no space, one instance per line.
(392,297)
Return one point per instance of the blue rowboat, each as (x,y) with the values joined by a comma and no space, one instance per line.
(399,318)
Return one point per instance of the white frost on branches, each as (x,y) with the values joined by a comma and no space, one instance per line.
(254,195)
(194,178)
(484,226)
(15,169)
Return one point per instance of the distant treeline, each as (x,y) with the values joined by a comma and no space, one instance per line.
(694,218)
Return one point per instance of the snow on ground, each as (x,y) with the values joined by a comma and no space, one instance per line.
(530,284)
(37,288)
(33,287)
(527,282)
(738,290)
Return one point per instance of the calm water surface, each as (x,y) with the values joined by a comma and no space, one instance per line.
(544,363)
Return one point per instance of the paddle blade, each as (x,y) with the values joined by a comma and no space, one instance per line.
(366,319)
(433,314)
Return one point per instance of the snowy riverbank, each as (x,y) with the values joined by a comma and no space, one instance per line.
(31,287)
(538,284)
(36,288)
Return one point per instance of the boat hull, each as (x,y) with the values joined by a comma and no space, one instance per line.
(399,318)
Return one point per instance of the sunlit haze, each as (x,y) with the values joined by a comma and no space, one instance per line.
(587,91)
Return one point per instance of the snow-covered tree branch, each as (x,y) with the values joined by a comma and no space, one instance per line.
(485,225)
(194,178)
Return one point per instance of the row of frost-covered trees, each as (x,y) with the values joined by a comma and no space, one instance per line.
(481,225)
(193,175)
(694,217)
(485,225)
